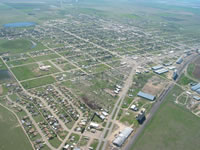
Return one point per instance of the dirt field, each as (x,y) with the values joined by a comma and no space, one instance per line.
(154,86)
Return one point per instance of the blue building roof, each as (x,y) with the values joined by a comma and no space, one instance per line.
(179,61)
(146,96)
(157,67)
(161,71)
(196,87)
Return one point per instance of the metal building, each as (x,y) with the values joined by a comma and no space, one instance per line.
(121,138)
(146,96)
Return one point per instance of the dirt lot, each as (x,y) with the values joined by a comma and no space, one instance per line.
(154,86)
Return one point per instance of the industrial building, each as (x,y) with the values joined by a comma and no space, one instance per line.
(121,138)
(161,71)
(179,61)
(195,87)
(146,96)
(157,67)
(141,117)
(175,75)
(196,98)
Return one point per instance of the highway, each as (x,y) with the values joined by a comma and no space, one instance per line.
(156,105)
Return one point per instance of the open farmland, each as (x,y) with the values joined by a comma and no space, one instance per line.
(11,131)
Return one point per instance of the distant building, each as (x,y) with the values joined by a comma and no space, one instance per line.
(141,117)
(146,96)
(157,67)
(179,61)
(195,87)
(161,71)
(94,125)
(175,75)
(121,138)
(196,98)
(134,108)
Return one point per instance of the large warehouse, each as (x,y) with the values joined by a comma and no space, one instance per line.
(146,96)
(121,138)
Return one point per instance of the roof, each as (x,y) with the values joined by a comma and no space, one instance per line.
(179,61)
(146,96)
(195,87)
(157,67)
(121,138)
(161,71)
(196,98)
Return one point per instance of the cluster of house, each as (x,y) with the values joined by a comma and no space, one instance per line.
(50,125)
(27,124)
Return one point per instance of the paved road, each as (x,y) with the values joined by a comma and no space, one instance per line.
(156,106)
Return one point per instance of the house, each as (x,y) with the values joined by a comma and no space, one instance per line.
(121,138)
(146,96)
(94,125)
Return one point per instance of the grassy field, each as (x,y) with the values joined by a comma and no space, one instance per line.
(32,71)
(12,136)
(172,128)
(190,69)
(38,82)
(19,46)
(184,80)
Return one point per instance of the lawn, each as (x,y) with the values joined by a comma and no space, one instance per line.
(38,82)
(172,128)
(12,135)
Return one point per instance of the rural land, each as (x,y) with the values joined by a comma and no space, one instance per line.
(99,74)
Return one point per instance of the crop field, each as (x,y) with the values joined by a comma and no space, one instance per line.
(12,132)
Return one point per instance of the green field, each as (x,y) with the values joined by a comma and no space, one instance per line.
(12,136)
(19,46)
(32,71)
(172,128)
(38,82)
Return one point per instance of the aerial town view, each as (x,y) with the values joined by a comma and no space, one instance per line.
(99,74)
